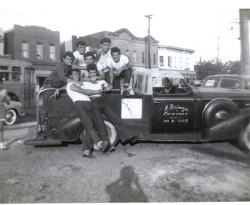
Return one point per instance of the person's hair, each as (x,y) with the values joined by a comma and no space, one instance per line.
(76,70)
(105,40)
(68,53)
(92,66)
(82,43)
(114,50)
(89,53)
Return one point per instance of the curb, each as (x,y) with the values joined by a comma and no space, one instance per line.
(19,126)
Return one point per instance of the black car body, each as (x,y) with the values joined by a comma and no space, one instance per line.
(159,112)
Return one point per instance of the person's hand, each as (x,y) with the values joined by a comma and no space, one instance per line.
(57,94)
(100,92)
(109,88)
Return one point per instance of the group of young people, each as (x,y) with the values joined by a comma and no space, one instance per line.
(84,74)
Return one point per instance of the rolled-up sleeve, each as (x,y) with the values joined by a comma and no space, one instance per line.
(59,69)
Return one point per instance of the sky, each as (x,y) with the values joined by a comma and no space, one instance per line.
(201,25)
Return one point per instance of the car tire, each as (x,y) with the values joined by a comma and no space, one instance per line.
(112,134)
(217,111)
(244,139)
(11,117)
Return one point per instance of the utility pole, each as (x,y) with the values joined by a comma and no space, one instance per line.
(149,57)
(218,50)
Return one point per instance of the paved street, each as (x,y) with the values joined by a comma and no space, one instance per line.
(145,172)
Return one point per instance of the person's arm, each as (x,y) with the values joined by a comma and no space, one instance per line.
(73,81)
(78,89)
(78,67)
(101,72)
(75,62)
(111,76)
(125,67)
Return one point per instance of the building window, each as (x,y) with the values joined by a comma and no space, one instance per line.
(170,61)
(134,56)
(25,50)
(39,51)
(127,53)
(175,63)
(143,57)
(154,58)
(16,74)
(180,62)
(161,61)
(52,53)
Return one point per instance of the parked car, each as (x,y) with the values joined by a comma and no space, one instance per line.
(227,81)
(14,109)
(163,108)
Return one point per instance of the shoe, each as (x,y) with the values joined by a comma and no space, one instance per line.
(41,136)
(103,146)
(88,154)
(109,149)
(126,93)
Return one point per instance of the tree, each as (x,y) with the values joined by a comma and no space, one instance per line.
(207,68)
(233,67)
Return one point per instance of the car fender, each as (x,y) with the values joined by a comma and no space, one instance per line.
(228,129)
(218,110)
(68,131)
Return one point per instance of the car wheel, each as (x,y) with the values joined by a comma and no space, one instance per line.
(217,111)
(112,134)
(11,117)
(244,139)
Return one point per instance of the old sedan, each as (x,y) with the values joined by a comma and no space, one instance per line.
(13,110)
(227,81)
(163,108)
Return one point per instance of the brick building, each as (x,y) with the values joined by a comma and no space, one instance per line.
(34,44)
(134,47)
(177,59)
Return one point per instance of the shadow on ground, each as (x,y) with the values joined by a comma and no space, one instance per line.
(127,188)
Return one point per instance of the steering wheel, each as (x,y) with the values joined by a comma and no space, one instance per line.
(166,89)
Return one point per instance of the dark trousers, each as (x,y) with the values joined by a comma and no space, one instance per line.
(99,107)
(84,110)
(98,119)
(126,74)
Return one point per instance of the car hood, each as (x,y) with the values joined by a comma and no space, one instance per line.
(211,93)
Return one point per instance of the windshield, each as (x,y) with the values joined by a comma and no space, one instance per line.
(168,85)
(222,83)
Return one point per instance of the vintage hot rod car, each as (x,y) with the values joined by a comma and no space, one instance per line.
(163,108)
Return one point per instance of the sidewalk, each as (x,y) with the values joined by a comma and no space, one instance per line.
(19,126)
(16,132)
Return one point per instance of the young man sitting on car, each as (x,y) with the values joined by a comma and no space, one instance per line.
(101,107)
(80,95)
(119,67)
(90,59)
(58,78)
